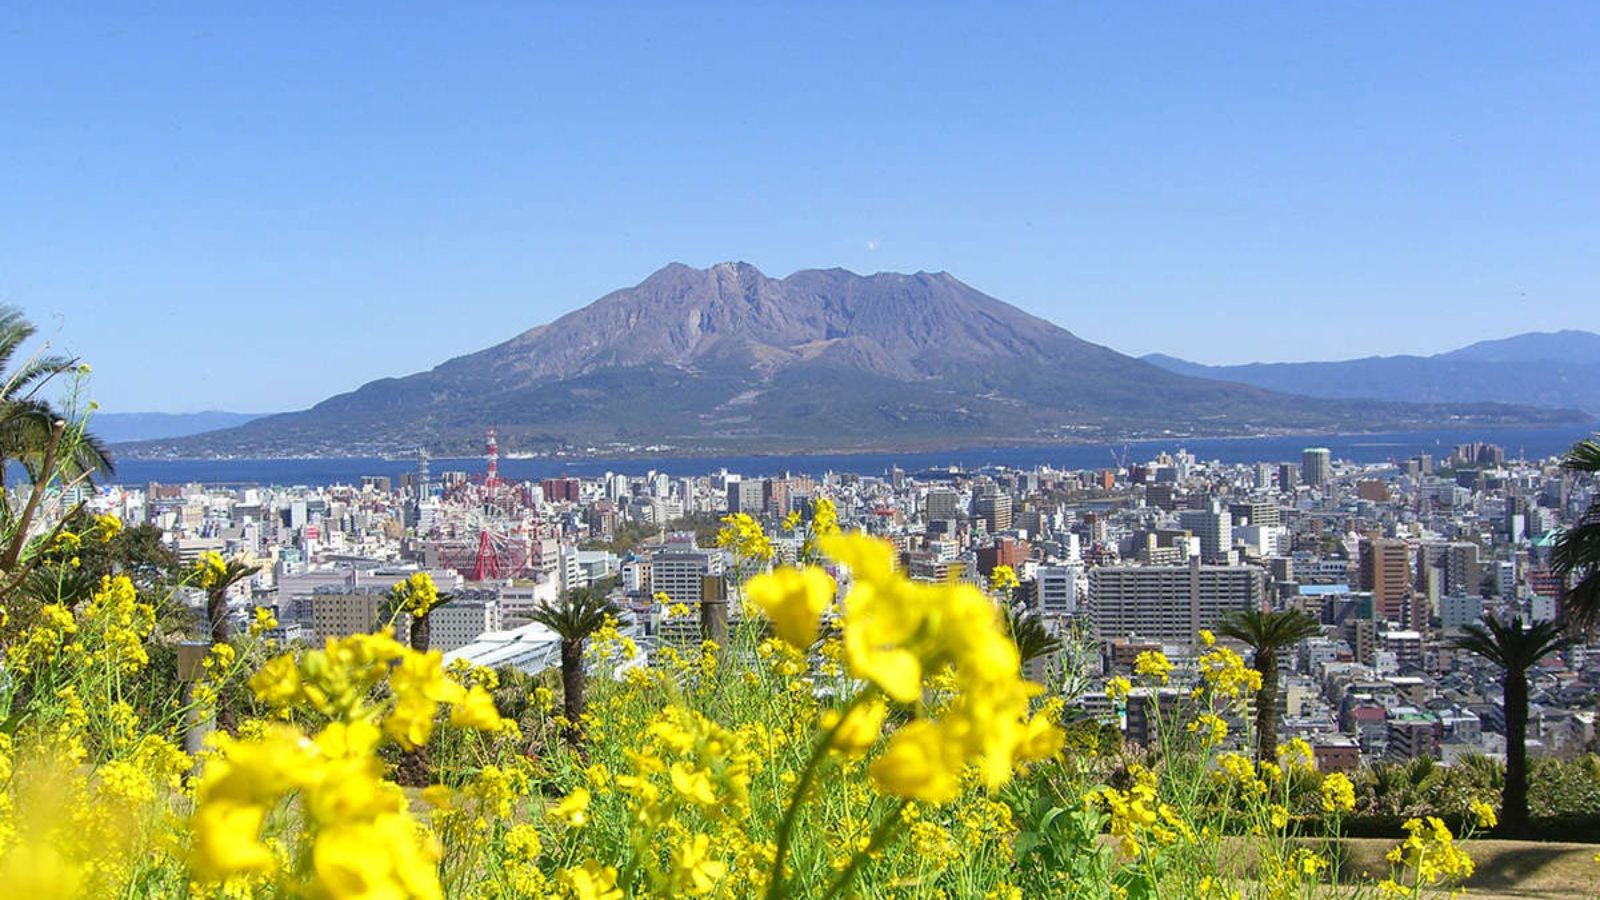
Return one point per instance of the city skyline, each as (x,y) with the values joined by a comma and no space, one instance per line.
(306,202)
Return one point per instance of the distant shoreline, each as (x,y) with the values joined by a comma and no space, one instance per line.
(702,453)
(1366,447)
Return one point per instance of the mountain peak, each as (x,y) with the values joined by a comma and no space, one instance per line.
(725,357)
(1565,346)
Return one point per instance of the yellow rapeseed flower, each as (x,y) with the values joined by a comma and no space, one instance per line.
(694,871)
(592,881)
(1338,793)
(860,729)
(573,810)
(1117,688)
(1153,664)
(476,710)
(1003,579)
(109,527)
(794,599)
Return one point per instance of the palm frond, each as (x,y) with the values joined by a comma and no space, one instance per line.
(1584,456)
(578,614)
(1029,633)
(1509,645)
(1575,556)
(25,382)
(14,332)
(1271,631)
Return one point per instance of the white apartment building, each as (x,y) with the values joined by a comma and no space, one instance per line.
(1169,603)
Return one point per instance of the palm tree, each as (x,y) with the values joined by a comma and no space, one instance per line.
(422,624)
(216,577)
(1576,555)
(1399,789)
(1027,630)
(579,614)
(28,423)
(417,596)
(1515,650)
(1268,633)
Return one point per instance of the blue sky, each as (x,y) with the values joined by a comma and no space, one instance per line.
(255,206)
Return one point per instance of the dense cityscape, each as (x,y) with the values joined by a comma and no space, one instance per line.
(1392,559)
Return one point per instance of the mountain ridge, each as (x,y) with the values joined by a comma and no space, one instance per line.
(122,427)
(1557,370)
(727,358)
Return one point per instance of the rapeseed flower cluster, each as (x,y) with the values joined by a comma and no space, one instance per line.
(1428,857)
(1154,665)
(1139,822)
(742,534)
(210,570)
(416,595)
(359,838)
(896,633)
(1225,675)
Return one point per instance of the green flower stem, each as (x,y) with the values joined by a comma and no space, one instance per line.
(813,766)
(880,836)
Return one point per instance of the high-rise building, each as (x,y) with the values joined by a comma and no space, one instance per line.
(560,490)
(1255,512)
(1213,527)
(1288,477)
(747,496)
(943,503)
(1266,476)
(1373,489)
(1057,590)
(775,496)
(679,568)
(1169,603)
(994,509)
(1457,564)
(1316,466)
(340,611)
(1457,612)
(1385,570)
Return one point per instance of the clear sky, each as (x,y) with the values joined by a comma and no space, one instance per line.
(254,206)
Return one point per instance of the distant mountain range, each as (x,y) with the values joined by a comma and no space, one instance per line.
(116,428)
(1559,369)
(727,359)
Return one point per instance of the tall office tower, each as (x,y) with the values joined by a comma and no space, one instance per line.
(1516,518)
(1385,570)
(994,509)
(1213,527)
(1169,603)
(679,569)
(775,496)
(1316,466)
(747,496)
(1288,476)
(1266,475)
(1056,591)
(1457,562)
(942,503)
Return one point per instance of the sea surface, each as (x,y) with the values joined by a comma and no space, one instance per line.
(1527,443)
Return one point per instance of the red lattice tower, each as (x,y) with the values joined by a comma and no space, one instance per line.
(492,452)
(487,563)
